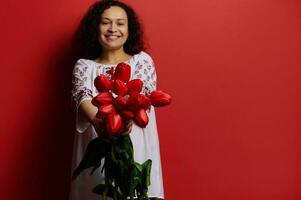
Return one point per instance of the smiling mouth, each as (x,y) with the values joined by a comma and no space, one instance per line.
(112,36)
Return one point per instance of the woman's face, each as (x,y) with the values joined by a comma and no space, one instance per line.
(113,28)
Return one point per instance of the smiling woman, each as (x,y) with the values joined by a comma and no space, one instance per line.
(113,29)
(99,16)
(110,33)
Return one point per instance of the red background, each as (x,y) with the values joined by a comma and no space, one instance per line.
(232,67)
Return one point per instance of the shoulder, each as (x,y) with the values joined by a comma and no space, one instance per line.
(83,65)
(84,62)
(145,55)
(146,58)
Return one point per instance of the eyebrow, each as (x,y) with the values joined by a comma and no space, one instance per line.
(116,18)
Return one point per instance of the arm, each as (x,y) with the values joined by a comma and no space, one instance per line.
(82,95)
(88,111)
(148,75)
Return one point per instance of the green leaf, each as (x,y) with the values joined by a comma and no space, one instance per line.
(147,166)
(138,167)
(95,151)
(134,179)
(123,176)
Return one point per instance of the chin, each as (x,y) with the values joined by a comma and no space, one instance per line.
(113,47)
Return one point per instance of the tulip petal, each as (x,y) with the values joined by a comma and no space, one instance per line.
(114,124)
(160,98)
(145,101)
(141,118)
(137,101)
(102,99)
(102,83)
(106,110)
(134,86)
(119,88)
(127,115)
(120,102)
(133,103)
(122,72)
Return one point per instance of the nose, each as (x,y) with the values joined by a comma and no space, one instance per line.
(112,28)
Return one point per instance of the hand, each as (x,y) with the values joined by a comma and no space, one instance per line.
(128,128)
(99,126)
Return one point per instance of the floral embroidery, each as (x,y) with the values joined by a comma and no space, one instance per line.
(110,71)
(83,93)
(81,88)
(145,70)
(139,65)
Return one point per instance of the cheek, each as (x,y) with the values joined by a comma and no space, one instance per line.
(101,30)
(125,31)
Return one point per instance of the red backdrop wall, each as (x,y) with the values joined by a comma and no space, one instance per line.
(232,67)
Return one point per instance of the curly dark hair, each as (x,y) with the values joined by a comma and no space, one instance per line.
(85,40)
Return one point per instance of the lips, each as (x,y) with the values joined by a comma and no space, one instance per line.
(112,36)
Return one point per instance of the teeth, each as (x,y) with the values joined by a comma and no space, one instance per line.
(112,36)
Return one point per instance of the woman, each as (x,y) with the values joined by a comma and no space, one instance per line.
(110,33)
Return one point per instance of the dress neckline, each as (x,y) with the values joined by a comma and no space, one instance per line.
(113,64)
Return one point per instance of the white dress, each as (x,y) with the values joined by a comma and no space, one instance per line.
(145,140)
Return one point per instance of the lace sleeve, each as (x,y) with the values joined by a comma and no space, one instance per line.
(81,90)
(147,73)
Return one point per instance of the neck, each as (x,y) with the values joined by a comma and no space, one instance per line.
(113,56)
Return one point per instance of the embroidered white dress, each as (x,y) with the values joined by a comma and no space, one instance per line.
(145,140)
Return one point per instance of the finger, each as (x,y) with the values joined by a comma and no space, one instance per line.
(129,129)
(127,132)
(129,124)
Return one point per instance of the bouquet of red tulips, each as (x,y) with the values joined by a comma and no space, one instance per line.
(128,103)
(120,100)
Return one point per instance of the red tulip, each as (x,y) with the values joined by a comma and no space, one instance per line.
(119,88)
(102,83)
(127,115)
(141,118)
(160,98)
(102,99)
(145,101)
(134,86)
(133,102)
(137,101)
(123,72)
(119,102)
(105,110)
(114,124)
